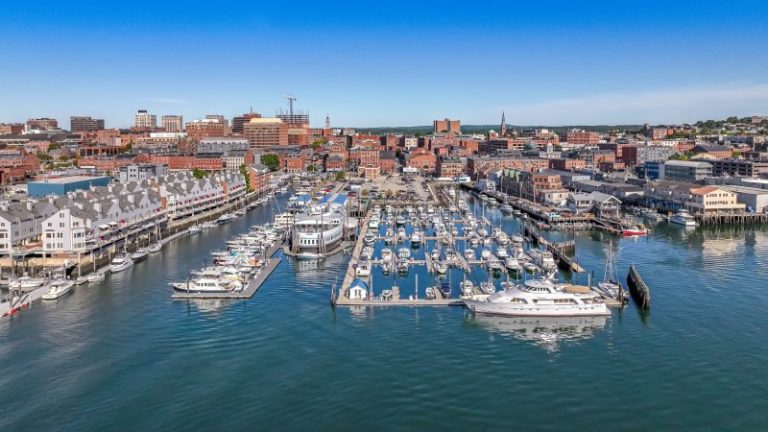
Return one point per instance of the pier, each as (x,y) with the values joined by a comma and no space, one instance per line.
(253,285)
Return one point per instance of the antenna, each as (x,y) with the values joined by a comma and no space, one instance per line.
(291,98)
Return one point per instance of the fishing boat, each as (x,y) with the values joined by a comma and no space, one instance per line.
(682,217)
(120,263)
(540,297)
(58,288)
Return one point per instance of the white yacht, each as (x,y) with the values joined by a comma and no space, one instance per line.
(416,238)
(120,263)
(469,253)
(363,269)
(682,217)
(96,276)
(194,229)
(139,255)
(58,288)
(208,285)
(540,297)
(512,264)
(225,218)
(386,254)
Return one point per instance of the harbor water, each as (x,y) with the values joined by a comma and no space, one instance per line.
(122,355)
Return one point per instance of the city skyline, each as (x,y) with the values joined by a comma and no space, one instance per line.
(556,63)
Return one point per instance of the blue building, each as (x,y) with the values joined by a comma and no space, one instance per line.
(62,185)
(654,170)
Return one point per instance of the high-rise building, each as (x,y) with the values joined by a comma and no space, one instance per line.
(173,123)
(239,121)
(85,124)
(43,123)
(298,127)
(198,129)
(447,126)
(144,120)
(265,132)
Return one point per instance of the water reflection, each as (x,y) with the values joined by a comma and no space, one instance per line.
(546,332)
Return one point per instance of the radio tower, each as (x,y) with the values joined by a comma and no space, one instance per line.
(291,98)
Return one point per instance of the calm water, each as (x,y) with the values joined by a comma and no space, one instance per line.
(123,356)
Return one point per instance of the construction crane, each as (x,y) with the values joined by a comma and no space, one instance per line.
(291,98)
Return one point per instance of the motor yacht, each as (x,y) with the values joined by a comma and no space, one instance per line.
(120,263)
(58,288)
(682,217)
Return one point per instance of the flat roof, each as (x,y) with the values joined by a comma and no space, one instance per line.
(68,179)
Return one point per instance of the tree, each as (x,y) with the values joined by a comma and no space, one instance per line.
(54,146)
(318,143)
(44,156)
(341,176)
(311,168)
(199,173)
(271,161)
(244,172)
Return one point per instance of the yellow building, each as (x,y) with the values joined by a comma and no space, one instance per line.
(713,200)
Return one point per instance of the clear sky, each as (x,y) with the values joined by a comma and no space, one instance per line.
(386,63)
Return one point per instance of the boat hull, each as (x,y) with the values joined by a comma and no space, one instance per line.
(504,309)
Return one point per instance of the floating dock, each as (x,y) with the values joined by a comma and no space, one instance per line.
(250,289)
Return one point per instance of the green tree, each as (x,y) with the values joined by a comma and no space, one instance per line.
(271,161)
(54,146)
(199,173)
(341,176)
(44,156)
(244,172)
(318,143)
(311,168)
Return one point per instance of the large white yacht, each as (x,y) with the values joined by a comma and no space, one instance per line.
(320,227)
(682,217)
(209,285)
(120,263)
(540,297)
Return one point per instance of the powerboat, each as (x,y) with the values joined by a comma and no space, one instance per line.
(682,217)
(469,253)
(440,267)
(155,247)
(363,269)
(139,255)
(194,229)
(501,252)
(512,264)
(416,238)
(59,288)
(540,297)
(26,283)
(95,277)
(370,238)
(635,231)
(208,285)
(467,287)
(120,263)
(225,218)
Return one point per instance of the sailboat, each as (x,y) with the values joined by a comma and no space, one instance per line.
(157,246)
(610,286)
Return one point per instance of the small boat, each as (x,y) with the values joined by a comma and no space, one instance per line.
(363,269)
(370,238)
(469,253)
(501,252)
(402,266)
(95,277)
(59,288)
(487,287)
(445,289)
(401,220)
(467,287)
(140,255)
(430,294)
(386,254)
(440,267)
(194,229)
(485,254)
(225,218)
(635,231)
(155,247)
(26,283)
(512,264)
(530,267)
(517,238)
(416,238)
(120,263)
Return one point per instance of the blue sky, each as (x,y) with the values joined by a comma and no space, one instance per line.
(387,63)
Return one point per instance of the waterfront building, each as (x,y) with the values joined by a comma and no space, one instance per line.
(739,167)
(85,124)
(713,200)
(686,171)
(597,203)
(21,222)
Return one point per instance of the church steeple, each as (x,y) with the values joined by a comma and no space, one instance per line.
(503,128)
